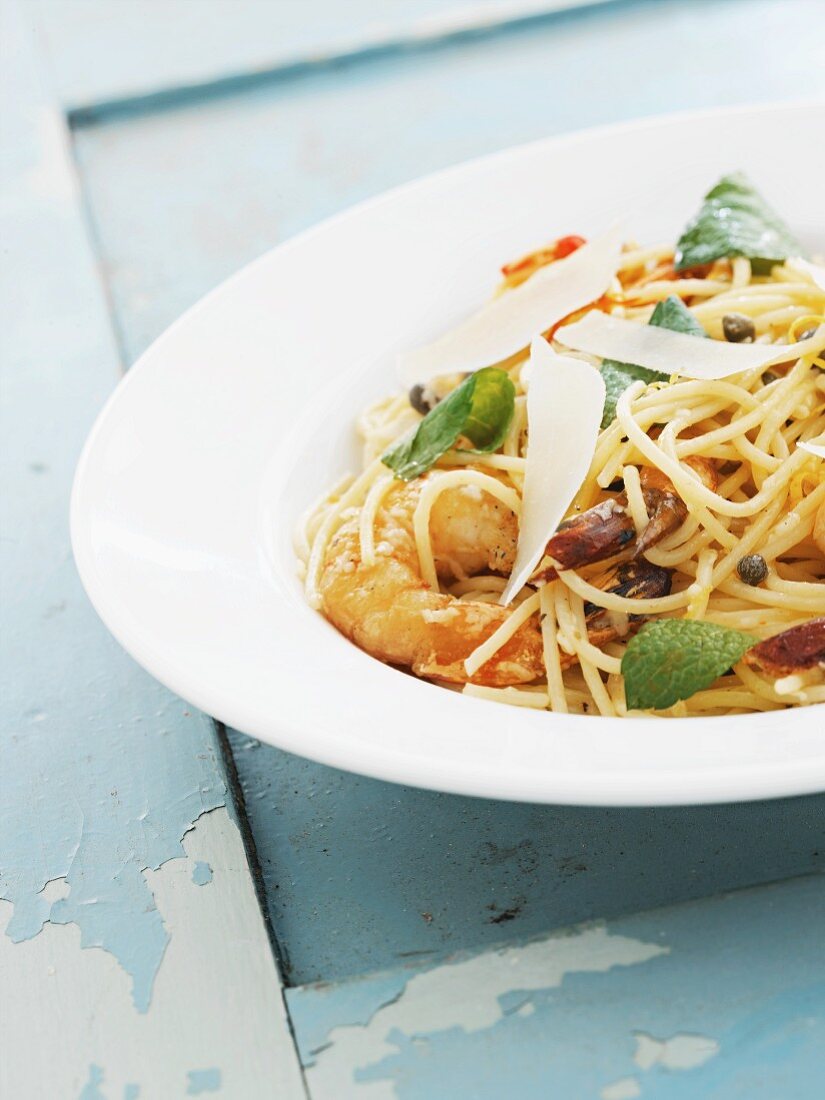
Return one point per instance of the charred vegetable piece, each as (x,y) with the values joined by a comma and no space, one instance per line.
(636,580)
(796,650)
(608,528)
(752,569)
(593,536)
(738,328)
(666,509)
(667,513)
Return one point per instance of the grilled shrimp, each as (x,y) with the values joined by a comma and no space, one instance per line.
(389,611)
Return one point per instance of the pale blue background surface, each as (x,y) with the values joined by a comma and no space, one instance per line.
(222,179)
(289,113)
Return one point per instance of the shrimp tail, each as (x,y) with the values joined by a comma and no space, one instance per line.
(449,643)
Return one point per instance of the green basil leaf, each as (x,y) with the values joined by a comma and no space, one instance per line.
(480,409)
(672,659)
(494,400)
(734,220)
(617,377)
(672,314)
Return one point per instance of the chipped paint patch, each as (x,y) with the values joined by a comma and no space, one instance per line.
(316,1010)
(466,995)
(201,873)
(102,830)
(626,1088)
(680,1051)
(90,1089)
(203,1080)
(81,1001)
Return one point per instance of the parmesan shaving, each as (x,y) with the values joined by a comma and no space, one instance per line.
(817,449)
(564,409)
(670,352)
(816,272)
(507,324)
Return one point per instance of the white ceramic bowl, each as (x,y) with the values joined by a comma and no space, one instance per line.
(242,413)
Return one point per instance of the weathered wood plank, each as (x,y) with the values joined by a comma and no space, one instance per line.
(718,999)
(183,197)
(216,1016)
(107,779)
(156,48)
(408,874)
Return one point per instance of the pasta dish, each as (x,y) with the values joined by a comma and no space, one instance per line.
(602,493)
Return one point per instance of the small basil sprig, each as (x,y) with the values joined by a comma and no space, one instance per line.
(734,220)
(480,410)
(672,659)
(672,314)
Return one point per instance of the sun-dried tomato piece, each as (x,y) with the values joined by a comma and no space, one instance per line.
(796,650)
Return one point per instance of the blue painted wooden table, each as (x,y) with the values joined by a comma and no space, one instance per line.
(265,926)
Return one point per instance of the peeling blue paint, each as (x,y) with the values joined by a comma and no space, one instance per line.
(315,1010)
(131,1092)
(103,824)
(203,1080)
(716,986)
(515,1001)
(104,771)
(201,873)
(90,1089)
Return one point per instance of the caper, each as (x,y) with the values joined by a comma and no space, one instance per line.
(752,569)
(738,328)
(421,399)
(424,398)
(769,377)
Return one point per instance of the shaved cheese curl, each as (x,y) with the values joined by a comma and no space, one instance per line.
(670,352)
(817,449)
(507,324)
(564,408)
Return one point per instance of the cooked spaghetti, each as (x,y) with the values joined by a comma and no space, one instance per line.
(700,508)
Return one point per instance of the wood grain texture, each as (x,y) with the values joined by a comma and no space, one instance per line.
(362,875)
(106,777)
(216,1014)
(184,196)
(718,999)
(153,49)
